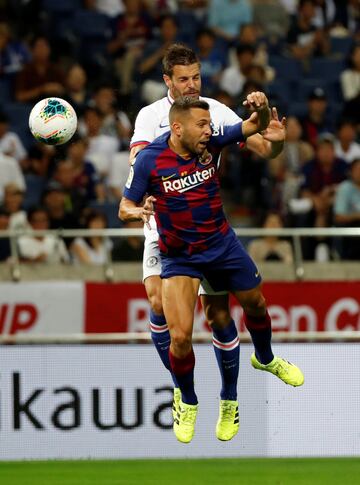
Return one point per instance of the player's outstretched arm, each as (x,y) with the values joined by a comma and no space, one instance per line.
(131,211)
(271,141)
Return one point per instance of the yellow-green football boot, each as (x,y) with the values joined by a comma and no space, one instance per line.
(176,400)
(284,370)
(184,422)
(227,425)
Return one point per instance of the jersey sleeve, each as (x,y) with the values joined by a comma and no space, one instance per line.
(145,124)
(138,179)
(228,116)
(226,135)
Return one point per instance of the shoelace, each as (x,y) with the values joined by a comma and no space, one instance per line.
(188,415)
(227,412)
(282,365)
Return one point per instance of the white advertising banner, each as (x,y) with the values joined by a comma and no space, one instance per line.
(41,307)
(111,401)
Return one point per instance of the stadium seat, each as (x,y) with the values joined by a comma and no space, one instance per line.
(279,89)
(286,68)
(341,45)
(63,6)
(18,114)
(89,24)
(110,209)
(35,185)
(329,69)
(5,91)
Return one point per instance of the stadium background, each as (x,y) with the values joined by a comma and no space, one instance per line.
(107,78)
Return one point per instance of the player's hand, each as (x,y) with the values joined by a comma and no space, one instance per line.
(275,132)
(256,101)
(147,210)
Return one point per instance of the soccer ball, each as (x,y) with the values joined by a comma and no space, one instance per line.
(53,121)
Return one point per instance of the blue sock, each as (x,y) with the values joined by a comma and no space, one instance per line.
(260,331)
(184,371)
(161,337)
(227,351)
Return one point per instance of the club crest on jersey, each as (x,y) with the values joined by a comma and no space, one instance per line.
(206,158)
(183,184)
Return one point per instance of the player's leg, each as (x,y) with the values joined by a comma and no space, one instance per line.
(179,295)
(226,347)
(158,327)
(225,341)
(258,323)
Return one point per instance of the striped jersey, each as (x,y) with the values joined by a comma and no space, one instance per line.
(188,209)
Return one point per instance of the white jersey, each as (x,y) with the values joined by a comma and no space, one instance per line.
(153,120)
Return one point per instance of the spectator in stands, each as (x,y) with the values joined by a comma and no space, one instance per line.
(225,18)
(126,47)
(13,53)
(271,17)
(111,8)
(115,122)
(318,119)
(347,15)
(150,66)
(130,248)
(233,77)
(321,178)
(212,61)
(5,249)
(101,148)
(346,146)
(10,173)
(54,201)
(41,249)
(286,169)
(76,88)
(347,210)
(13,202)
(93,249)
(41,77)
(64,174)
(86,179)
(325,12)
(304,38)
(271,248)
(118,175)
(350,78)
(10,143)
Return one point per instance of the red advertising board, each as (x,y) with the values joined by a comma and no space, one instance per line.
(298,306)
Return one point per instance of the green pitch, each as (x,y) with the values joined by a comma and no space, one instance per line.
(242,471)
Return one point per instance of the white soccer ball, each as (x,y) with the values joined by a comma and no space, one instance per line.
(53,121)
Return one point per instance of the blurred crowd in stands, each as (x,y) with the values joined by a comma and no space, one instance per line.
(104,57)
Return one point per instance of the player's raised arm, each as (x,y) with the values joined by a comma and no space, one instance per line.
(270,142)
(258,103)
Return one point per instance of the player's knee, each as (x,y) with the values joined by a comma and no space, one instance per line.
(156,304)
(181,341)
(256,305)
(218,318)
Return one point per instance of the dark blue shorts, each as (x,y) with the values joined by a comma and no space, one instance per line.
(227,268)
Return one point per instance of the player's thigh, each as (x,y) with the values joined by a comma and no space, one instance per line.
(216,309)
(179,296)
(252,301)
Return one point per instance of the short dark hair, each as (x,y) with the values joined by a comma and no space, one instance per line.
(178,55)
(184,104)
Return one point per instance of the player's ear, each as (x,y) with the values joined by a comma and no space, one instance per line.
(176,127)
(167,80)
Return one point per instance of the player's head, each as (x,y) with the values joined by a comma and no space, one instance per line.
(190,124)
(181,68)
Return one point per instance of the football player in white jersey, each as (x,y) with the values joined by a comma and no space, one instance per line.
(181,69)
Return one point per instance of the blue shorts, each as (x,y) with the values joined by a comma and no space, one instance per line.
(228,268)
